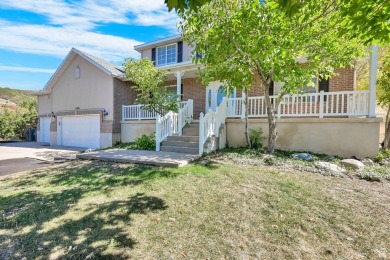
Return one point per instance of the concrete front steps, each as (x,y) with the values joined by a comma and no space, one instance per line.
(186,143)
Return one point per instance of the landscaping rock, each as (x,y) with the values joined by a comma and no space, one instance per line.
(352,163)
(330,167)
(368,161)
(302,156)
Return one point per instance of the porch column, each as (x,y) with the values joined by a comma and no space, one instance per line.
(372,80)
(178,76)
(243,104)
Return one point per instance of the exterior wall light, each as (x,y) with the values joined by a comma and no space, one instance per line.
(105,113)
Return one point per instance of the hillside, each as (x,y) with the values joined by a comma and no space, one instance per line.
(13,97)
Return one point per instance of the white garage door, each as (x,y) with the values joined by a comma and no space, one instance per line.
(44,129)
(79,131)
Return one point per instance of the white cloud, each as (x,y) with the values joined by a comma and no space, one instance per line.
(57,41)
(72,24)
(87,14)
(26,69)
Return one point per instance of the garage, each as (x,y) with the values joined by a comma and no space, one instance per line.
(44,129)
(79,131)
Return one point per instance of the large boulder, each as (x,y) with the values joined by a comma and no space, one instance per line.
(330,167)
(352,163)
(302,156)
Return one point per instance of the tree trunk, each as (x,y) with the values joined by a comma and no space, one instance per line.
(272,134)
(387,130)
(247,137)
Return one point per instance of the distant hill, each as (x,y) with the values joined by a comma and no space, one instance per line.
(13,97)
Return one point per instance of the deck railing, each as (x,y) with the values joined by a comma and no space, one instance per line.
(173,123)
(165,126)
(210,123)
(137,112)
(343,103)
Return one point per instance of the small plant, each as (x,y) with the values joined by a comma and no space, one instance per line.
(146,142)
(256,138)
(382,155)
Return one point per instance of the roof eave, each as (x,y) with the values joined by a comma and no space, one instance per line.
(156,43)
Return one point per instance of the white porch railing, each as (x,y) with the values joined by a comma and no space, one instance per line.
(210,123)
(343,103)
(137,112)
(165,126)
(186,114)
(173,123)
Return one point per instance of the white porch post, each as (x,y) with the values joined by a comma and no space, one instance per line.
(372,80)
(178,76)
(243,102)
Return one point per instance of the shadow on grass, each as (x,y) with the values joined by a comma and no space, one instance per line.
(39,223)
(96,231)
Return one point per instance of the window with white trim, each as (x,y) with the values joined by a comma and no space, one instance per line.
(166,55)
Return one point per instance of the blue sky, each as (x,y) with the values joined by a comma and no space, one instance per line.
(35,35)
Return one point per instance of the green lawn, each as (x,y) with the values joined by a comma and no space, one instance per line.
(92,210)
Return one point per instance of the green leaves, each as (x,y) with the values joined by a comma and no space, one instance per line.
(368,19)
(252,39)
(148,82)
(181,5)
(384,82)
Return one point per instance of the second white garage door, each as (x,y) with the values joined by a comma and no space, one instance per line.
(79,131)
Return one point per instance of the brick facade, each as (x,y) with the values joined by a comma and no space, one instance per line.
(123,95)
(344,81)
(192,88)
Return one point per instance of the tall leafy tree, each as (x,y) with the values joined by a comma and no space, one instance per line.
(384,95)
(368,19)
(246,41)
(148,82)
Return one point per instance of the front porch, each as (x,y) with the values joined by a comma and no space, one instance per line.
(336,123)
(324,104)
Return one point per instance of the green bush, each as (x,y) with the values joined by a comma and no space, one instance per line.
(256,138)
(146,142)
(383,154)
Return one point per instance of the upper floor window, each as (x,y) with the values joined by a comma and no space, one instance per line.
(166,55)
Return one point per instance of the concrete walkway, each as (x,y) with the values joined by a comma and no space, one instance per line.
(169,159)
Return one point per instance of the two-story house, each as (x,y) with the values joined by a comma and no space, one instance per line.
(89,103)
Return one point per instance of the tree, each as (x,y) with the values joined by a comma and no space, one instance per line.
(181,5)
(15,122)
(384,95)
(243,41)
(149,84)
(368,19)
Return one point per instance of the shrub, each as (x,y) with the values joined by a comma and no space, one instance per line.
(256,138)
(146,142)
(383,154)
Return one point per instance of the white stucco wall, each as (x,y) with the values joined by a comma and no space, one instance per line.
(44,105)
(94,89)
(345,137)
(130,130)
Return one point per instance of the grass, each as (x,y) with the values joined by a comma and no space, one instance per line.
(220,210)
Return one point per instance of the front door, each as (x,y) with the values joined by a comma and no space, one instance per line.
(215,92)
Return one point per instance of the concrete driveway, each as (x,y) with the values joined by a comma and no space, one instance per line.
(22,156)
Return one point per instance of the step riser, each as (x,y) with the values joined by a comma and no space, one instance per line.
(192,132)
(183,138)
(180,144)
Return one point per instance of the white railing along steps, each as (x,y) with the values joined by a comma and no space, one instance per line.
(173,123)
